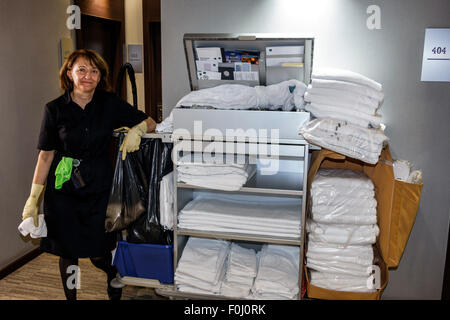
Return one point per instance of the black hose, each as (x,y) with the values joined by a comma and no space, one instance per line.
(129,68)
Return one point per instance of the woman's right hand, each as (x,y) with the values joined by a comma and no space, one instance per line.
(31,208)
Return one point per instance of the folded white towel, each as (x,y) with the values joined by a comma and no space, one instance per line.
(365,251)
(166,201)
(27,227)
(345,114)
(228,182)
(347,99)
(346,75)
(341,100)
(348,87)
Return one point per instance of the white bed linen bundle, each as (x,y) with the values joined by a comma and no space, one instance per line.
(341,230)
(345,138)
(241,272)
(285,95)
(214,173)
(278,271)
(202,266)
(262,217)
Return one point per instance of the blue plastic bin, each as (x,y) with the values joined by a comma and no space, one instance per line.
(150,261)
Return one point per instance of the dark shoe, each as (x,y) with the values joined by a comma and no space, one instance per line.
(114,293)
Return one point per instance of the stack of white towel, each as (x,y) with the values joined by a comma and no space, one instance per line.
(219,173)
(227,214)
(341,230)
(241,272)
(202,266)
(345,104)
(278,273)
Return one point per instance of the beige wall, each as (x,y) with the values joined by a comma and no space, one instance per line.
(134,35)
(29,35)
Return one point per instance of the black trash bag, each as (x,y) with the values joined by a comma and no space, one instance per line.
(157,162)
(127,200)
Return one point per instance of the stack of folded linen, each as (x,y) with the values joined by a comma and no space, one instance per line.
(214,173)
(202,266)
(258,217)
(278,273)
(166,205)
(241,272)
(348,104)
(341,230)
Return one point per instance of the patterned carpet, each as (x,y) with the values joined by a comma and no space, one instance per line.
(40,280)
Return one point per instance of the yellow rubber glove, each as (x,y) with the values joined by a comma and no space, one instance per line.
(31,208)
(132,140)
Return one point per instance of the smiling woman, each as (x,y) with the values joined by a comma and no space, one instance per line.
(78,127)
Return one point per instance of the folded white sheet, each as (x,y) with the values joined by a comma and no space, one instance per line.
(338,267)
(277,272)
(338,282)
(365,251)
(335,112)
(342,178)
(344,98)
(342,233)
(27,227)
(364,261)
(166,210)
(235,209)
(334,217)
(348,87)
(344,201)
(241,272)
(346,75)
(338,191)
(286,95)
(203,259)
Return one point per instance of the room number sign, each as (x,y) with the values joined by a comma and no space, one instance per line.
(436,55)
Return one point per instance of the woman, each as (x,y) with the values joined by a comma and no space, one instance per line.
(79,125)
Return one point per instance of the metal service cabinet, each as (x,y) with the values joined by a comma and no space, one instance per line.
(279,58)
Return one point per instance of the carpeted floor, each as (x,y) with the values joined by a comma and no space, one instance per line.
(40,280)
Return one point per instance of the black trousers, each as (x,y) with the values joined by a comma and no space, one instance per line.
(68,268)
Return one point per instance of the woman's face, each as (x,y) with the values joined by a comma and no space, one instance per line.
(84,75)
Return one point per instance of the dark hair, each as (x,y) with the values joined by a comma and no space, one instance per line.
(95,59)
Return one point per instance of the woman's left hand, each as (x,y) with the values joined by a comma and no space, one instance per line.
(132,140)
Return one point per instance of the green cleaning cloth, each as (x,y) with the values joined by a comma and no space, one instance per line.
(63,172)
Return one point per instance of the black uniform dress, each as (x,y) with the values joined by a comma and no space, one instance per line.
(75,217)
